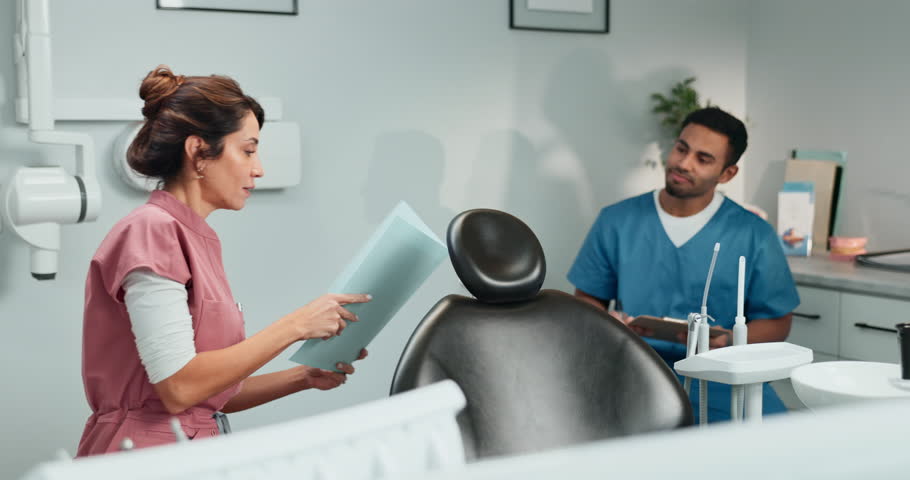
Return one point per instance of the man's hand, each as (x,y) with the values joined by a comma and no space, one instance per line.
(625,319)
(720,341)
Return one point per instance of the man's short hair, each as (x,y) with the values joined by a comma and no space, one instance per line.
(721,122)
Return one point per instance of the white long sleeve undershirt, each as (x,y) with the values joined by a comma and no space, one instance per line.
(161,322)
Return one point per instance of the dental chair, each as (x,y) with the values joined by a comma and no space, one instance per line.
(539,369)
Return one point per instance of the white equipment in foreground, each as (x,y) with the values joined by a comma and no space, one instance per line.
(866,441)
(749,365)
(740,365)
(826,384)
(410,433)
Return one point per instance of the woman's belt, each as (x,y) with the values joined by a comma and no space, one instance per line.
(195,417)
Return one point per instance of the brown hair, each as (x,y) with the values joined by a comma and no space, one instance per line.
(177,107)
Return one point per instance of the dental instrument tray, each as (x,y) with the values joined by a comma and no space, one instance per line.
(745,364)
(668,328)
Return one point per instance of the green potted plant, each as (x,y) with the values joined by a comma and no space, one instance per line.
(672,109)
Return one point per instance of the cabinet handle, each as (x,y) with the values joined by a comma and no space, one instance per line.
(809,316)
(873,327)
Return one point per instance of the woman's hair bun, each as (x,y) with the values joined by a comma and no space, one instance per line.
(158,85)
(209,107)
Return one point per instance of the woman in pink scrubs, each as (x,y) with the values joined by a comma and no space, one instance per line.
(162,334)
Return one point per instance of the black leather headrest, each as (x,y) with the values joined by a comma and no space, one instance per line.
(496,256)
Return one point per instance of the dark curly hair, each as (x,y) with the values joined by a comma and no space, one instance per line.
(725,124)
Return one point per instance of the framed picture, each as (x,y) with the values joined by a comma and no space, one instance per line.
(282,7)
(580,16)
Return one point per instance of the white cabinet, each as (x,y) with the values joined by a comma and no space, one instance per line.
(848,326)
(816,322)
(867,327)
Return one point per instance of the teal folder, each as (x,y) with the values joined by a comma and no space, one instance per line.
(399,256)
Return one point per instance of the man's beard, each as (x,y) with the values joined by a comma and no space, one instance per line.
(683,191)
(677,192)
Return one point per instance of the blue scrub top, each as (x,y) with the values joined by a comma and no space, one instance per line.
(628,256)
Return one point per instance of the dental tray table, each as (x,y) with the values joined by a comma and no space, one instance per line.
(745,364)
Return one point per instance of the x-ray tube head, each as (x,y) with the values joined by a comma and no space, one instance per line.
(35,203)
(43,263)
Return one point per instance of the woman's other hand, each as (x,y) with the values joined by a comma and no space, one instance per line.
(326,380)
(325,317)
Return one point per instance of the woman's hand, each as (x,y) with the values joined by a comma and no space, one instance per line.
(325,380)
(324,317)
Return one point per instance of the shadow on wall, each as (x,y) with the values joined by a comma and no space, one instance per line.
(771,179)
(607,123)
(605,134)
(5,96)
(407,165)
(541,197)
(883,232)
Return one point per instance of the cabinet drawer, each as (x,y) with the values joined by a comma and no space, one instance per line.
(816,319)
(867,327)
(823,357)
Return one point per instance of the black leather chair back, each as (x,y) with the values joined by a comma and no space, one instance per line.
(539,369)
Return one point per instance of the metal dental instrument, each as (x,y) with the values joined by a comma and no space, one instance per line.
(697,341)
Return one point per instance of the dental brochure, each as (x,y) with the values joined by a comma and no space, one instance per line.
(399,256)
(795,213)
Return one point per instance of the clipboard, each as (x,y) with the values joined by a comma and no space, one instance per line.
(667,328)
(399,256)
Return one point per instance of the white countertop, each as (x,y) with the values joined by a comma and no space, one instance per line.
(822,272)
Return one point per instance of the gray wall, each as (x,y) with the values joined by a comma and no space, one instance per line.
(434,102)
(833,74)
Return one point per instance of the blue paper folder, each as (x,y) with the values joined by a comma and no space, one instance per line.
(396,260)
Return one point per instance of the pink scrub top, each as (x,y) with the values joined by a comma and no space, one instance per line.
(169,238)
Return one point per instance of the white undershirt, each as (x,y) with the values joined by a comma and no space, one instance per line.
(681,229)
(161,322)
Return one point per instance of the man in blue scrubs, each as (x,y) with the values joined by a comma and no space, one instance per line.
(651,253)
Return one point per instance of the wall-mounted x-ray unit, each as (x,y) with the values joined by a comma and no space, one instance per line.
(36,201)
